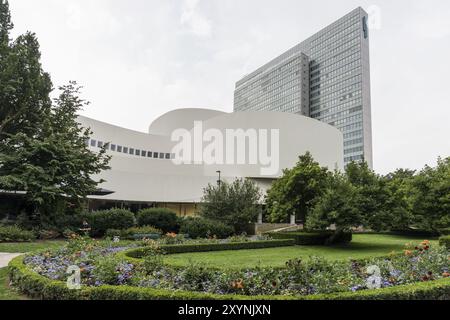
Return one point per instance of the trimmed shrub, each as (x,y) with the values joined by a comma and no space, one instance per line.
(161,218)
(37,286)
(49,234)
(134,232)
(15,234)
(101,221)
(206,247)
(311,238)
(205,228)
(445,241)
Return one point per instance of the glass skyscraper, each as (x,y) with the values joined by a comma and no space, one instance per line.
(326,77)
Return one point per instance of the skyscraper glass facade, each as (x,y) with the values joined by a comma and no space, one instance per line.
(326,77)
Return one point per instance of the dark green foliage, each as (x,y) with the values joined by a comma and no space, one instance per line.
(160,218)
(37,286)
(313,238)
(296,192)
(445,241)
(206,247)
(430,197)
(135,233)
(15,234)
(42,147)
(234,204)
(101,221)
(203,228)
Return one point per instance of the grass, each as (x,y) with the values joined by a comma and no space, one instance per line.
(29,246)
(362,246)
(6,293)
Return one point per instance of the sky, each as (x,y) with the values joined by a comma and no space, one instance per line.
(138,59)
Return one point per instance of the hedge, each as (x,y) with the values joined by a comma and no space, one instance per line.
(199,227)
(161,218)
(37,286)
(101,221)
(310,238)
(445,241)
(206,247)
(15,234)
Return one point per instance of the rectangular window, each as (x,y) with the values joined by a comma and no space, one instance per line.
(100,144)
(113,147)
(143,153)
(93,143)
(168,156)
(161,155)
(149,154)
(131,150)
(138,152)
(119,148)
(125,150)
(107,146)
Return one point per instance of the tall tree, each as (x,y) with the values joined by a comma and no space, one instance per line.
(296,192)
(371,195)
(430,197)
(337,206)
(24,86)
(235,204)
(54,167)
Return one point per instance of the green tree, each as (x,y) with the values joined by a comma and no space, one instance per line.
(297,190)
(235,204)
(24,86)
(371,196)
(337,206)
(54,167)
(398,185)
(430,196)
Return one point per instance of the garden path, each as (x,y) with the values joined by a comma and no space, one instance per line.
(5,258)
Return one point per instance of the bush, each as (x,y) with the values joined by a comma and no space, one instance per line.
(37,286)
(133,233)
(206,247)
(311,238)
(160,218)
(15,234)
(49,234)
(444,232)
(101,221)
(445,241)
(204,228)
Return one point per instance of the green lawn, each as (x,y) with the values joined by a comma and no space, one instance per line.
(7,293)
(362,246)
(29,246)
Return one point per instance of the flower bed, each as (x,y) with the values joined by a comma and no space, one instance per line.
(421,272)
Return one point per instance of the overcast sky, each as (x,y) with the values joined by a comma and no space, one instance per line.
(138,59)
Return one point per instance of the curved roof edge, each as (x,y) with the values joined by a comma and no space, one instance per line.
(181,119)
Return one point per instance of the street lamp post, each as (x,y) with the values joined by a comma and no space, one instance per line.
(219,181)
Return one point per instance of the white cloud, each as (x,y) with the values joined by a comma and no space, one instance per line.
(194,21)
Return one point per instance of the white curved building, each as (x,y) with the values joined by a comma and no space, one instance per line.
(149,168)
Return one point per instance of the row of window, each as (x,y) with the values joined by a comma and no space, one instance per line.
(354,158)
(352,89)
(345,120)
(335,105)
(351,84)
(337,74)
(315,65)
(351,127)
(353,150)
(349,135)
(337,65)
(131,151)
(330,32)
(353,142)
(353,33)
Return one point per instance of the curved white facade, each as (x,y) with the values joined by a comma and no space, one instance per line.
(150,173)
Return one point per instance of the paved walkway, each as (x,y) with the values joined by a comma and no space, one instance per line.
(5,258)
